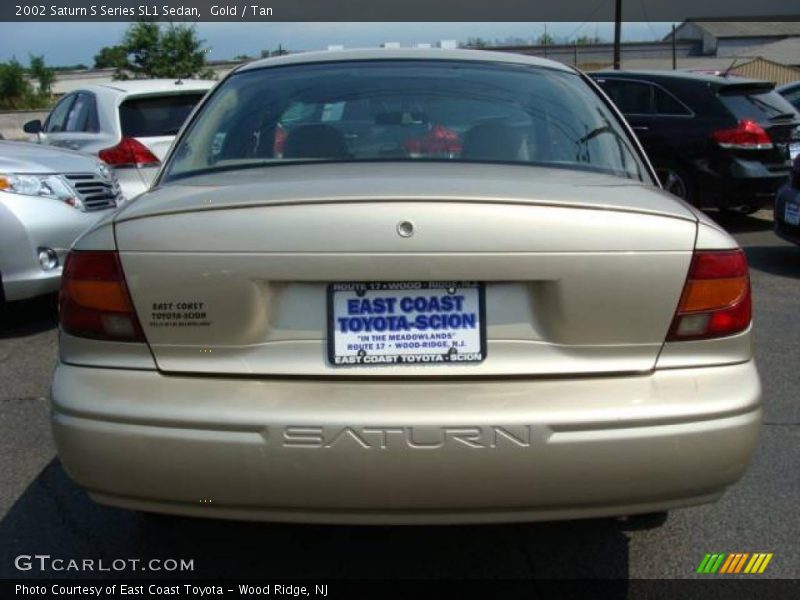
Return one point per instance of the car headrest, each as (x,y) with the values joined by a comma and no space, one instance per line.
(315,141)
(494,141)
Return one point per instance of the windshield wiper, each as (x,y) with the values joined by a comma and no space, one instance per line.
(597,131)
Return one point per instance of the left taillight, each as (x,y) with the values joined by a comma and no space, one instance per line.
(716,299)
(129,152)
(94,301)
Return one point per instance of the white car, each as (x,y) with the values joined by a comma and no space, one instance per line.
(128,124)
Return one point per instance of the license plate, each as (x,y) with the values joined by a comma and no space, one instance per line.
(794,150)
(791,213)
(402,323)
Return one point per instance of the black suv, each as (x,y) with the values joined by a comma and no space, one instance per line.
(717,142)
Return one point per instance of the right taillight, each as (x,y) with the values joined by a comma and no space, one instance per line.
(130,152)
(94,301)
(716,298)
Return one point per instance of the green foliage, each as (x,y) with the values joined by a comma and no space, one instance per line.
(43,75)
(279,51)
(545,40)
(111,57)
(16,91)
(150,51)
(586,39)
(477,42)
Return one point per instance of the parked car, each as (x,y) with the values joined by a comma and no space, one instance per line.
(716,142)
(791,91)
(516,325)
(48,197)
(787,207)
(128,124)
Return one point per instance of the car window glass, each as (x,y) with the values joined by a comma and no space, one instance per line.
(631,97)
(667,104)
(154,116)
(405,110)
(83,115)
(759,105)
(58,117)
(793,97)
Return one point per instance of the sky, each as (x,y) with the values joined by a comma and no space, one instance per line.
(74,43)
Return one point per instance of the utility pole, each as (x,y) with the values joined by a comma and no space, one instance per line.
(674,52)
(617,32)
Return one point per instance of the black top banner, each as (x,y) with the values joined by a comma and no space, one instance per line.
(396,10)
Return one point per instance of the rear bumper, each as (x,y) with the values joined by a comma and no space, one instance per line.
(735,183)
(406,451)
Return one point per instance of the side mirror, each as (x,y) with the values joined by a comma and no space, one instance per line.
(34,126)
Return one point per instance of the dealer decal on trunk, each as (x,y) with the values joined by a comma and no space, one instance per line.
(178,314)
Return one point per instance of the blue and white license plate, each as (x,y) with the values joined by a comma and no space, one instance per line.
(791,213)
(402,323)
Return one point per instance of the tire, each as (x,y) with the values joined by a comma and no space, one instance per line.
(677,182)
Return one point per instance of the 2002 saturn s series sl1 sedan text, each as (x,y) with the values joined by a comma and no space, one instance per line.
(406,286)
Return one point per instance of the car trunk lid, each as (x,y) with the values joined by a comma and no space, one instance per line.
(581,272)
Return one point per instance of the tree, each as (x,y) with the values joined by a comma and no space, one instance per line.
(15,91)
(111,57)
(586,39)
(141,43)
(149,51)
(545,40)
(477,42)
(43,75)
(181,54)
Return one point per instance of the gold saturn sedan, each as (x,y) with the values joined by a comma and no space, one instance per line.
(406,286)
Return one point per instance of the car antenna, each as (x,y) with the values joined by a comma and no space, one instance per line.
(728,70)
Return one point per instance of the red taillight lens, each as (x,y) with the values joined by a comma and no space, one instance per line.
(280,141)
(94,300)
(129,152)
(747,135)
(716,298)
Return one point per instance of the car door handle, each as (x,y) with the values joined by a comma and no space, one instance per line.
(641,128)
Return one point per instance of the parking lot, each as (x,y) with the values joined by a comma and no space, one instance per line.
(42,512)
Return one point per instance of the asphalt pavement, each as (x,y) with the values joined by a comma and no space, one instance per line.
(42,511)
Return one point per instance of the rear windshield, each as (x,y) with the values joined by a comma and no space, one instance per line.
(759,105)
(404,111)
(154,116)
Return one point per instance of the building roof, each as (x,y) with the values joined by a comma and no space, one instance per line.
(786,52)
(744,29)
